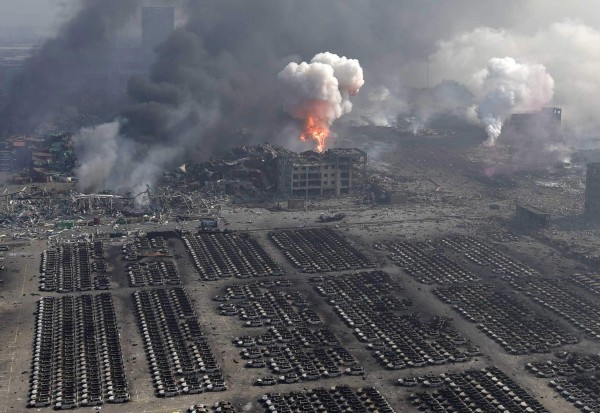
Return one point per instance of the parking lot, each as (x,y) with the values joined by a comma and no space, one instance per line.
(503,318)
(303,321)
(483,254)
(180,359)
(336,399)
(319,250)
(573,376)
(283,335)
(559,297)
(153,273)
(74,266)
(371,305)
(485,390)
(77,359)
(226,254)
(422,261)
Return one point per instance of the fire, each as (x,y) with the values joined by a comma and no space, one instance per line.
(315,132)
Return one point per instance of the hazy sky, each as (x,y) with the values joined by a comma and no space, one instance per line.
(41,15)
(218,76)
(45,15)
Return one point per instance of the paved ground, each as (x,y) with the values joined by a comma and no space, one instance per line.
(363,226)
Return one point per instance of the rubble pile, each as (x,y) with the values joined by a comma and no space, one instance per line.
(40,159)
(244,169)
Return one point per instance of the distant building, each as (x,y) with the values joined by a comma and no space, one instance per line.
(6,158)
(385,190)
(12,61)
(530,217)
(9,69)
(592,190)
(545,122)
(157,25)
(332,173)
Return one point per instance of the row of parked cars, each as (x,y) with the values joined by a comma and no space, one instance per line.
(272,308)
(292,362)
(427,264)
(581,391)
(180,359)
(500,315)
(371,305)
(319,250)
(222,406)
(251,289)
(229,254)
(153,273)
(483,254)
(565,364)
(156,243)
(340,398)
(562,299)
(589,282)
(143,245)
(74,266)
(485,390)
(77,359)
(574,376)
(295,346)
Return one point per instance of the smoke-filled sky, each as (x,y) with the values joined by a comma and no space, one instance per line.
(213,83)
(525,15)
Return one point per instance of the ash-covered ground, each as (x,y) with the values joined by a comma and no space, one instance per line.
(449,192)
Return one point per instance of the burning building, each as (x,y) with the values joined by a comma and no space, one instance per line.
(319,92)
(335,172)
(261,169)
(592,190)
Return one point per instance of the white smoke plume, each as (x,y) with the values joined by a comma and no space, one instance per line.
(98,159)
(380,106)
(507,86)
(320,89)
(108,160)
(567,50)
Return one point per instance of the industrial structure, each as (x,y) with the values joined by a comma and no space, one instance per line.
(546,122)
(41,159)
(530,217)
(592,190)
(335,172)
(387,191)
(157,25)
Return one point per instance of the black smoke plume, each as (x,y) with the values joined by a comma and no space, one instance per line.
(65,67)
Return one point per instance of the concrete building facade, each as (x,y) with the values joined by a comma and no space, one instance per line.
(157,25)
(335,172)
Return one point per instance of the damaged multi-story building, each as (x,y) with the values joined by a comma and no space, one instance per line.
(335,172)
(252,170)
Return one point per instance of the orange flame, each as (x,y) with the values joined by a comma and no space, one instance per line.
(315,132)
